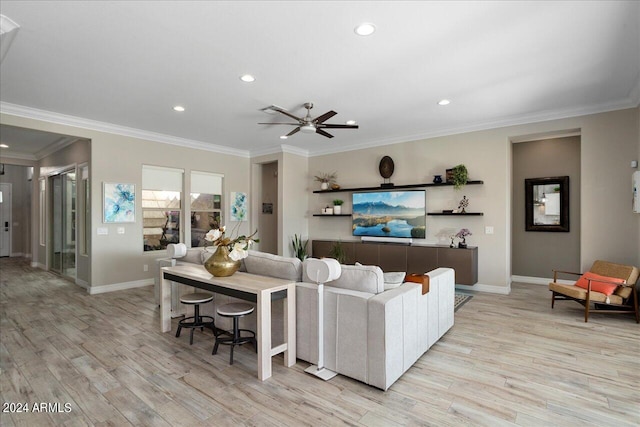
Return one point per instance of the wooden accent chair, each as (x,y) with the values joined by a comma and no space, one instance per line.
(624,298)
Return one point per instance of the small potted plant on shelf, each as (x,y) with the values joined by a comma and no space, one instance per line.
(326,179)
(462,234)
(458,176)
(337,206)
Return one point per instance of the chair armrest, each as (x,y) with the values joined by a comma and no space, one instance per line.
(555,274)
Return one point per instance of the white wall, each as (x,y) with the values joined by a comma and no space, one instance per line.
(609,142)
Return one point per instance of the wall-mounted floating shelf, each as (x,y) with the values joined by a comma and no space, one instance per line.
(332,215)
(455,214)
(396,187)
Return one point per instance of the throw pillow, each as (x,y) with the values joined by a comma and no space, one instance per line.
(393,279)
(597,285)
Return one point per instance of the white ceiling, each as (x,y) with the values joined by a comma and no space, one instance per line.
(122,66)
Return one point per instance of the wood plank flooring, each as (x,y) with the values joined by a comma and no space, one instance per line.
(508,360)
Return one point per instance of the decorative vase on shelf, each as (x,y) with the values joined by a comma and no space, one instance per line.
(337,209)
(324,186)
(463,244)
(220,265)
(437,179)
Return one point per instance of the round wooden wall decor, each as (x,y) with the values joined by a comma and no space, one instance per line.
(386,167)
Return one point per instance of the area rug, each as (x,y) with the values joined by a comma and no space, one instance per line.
(461,299)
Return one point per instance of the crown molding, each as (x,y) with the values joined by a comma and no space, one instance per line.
(79,122)
(495,124)
(290,149)
(8,155)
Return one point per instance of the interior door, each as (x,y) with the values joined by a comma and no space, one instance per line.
(63,224)
(5,220)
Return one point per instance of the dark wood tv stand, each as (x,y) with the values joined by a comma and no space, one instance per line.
(410,258)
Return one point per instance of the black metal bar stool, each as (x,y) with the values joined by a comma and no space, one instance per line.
(196,321)
(235,310)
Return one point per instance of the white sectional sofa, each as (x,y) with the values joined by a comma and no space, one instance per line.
(370,334)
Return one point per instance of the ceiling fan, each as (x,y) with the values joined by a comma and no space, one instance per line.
(307,124)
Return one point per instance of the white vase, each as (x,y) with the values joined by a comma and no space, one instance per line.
(324,186)
(337,210)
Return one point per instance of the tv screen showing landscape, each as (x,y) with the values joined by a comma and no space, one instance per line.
(389,214)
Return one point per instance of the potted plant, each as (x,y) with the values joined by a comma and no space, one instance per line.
(338,253)
(337,206)
(299,247)
(462,234)
(458,176)
(325,179)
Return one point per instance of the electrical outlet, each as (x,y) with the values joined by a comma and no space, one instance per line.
(145,267)
(488,229)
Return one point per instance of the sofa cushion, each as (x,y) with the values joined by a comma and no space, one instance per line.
(575,292)
(363,278)
(271,265)
(194,256)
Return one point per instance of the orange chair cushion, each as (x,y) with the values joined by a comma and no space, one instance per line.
(597,283)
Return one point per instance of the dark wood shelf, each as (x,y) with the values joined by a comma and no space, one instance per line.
(344,214)
(455,214)
(396,187)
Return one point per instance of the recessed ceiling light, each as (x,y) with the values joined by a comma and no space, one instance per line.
(365,29)
(4,146)
(247,78)
(444,102)
(350,122)
(178,108)
(284,137)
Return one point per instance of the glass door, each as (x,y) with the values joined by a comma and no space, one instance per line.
(63,224)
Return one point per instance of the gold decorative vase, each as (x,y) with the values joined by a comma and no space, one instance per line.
(220,265)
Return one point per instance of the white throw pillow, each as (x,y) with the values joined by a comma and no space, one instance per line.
(393,279)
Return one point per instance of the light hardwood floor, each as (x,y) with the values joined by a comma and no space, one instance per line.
(508,360)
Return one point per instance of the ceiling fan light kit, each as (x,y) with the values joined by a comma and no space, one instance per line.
(307,124)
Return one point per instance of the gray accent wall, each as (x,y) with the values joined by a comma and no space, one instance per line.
(537,253)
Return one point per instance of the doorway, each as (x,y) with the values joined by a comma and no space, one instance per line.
(5,220)
(63,224)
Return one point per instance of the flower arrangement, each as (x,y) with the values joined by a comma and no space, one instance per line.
(462,234)
(238,247)
(327,178)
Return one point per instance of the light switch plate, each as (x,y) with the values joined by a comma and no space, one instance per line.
(120,230)
(488,229)
(102,231)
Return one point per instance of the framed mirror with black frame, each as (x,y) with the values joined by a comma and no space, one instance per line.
(547,204)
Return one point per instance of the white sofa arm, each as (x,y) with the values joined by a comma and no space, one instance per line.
(392,344)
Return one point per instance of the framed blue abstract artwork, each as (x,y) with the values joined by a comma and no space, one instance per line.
(119,203)
(238,206)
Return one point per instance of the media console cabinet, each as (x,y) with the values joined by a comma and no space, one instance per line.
(410,258)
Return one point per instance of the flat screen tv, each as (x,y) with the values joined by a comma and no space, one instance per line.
(389,214)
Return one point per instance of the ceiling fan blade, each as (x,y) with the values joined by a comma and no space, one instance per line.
(294,131)
(286,113)
(330,126)
(323,133)
(325,116)
(289,124)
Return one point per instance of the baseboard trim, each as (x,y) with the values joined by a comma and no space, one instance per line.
(82,283)
(16,254)
(540,280)
(36,264)
(492,289)
(93,290)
